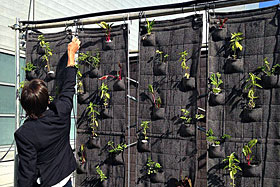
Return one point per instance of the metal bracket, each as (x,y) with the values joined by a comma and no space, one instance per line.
(132,80)
(132,98)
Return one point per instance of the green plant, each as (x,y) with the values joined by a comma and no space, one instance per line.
(247,150)
(162,58)
(183,61)
(119,76)
(92,112)
(184,182)
(107,27)
(156,101)
(21,84)
(216,81)
(145,126)
(235,43)
(214,140)
(185,116)
(48,51)
(29,67)
(252,85)
(152,167)
(232,166)
(51,98)
(104,94)
(149,26)
(102,176)
(116,149)
(88,58)
(269,71)
(199,116)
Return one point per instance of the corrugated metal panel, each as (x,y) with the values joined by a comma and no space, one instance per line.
(48,9)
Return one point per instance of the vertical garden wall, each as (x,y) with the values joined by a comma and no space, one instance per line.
(234,113)
(173,81)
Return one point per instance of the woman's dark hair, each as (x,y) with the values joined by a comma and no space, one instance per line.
(34,98)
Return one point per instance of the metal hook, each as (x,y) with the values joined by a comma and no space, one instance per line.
(213,9)
(194,9)
(124,27)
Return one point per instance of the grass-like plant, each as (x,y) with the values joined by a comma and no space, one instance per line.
(88,58)
(157,101)
(145,126)
(252,85)
(185,116)
(162,57)
(92,113)
(216,81)
(247,150)
(269,71)
(119,75)
(183,60)
(102,176)
(152,167)
(104,94)
(29,67)
(235,45)
(47,50)
(108,28)
(150,25)
(82,152)
(116,149)
(232,166)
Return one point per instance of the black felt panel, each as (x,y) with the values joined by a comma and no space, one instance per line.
(109,128)
(58,61)
(176,154)
(261,32)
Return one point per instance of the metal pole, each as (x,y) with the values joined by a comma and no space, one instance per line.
(135,15)
(128,103)
(17,57)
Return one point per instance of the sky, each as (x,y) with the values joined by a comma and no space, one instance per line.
(269,3)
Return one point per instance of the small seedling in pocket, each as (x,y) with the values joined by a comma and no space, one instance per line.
(88,58)
(104,94)
(235,45)
(183,60)
(157,101)
(48,51)
(102,176)
(92,112)
(247,150)
(29,67)
(152,167)
(269,71)
(232,167)
(222,22)
(162,57)
(185,116)
(216,81)
(252,85)
(145,126)
(116,149)
(108,28)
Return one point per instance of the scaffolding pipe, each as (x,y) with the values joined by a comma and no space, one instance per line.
(154,11)
(17,115)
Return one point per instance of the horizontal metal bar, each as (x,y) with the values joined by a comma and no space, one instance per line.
(133,14)
(7,84)
(132,80)
(7,115)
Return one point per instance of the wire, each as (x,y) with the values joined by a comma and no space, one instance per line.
(2,159)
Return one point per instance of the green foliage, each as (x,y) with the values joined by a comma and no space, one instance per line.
(92,112)
(252,85)
(149,26)
(102,176)
(247,150)
(145,126)
(82,157)
(152,167)
(51,98)
(235,43)
(104,94)
(116,149)
(107,27)
(21,84)
(199,116)
(185,116)
(157,101)
(48,51)
(29,67)
(214,139)
(183,61)
(269,71)
(162,58)
(216,81)
(88,58)
(232,166)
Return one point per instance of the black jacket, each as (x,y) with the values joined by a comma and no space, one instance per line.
(43,144)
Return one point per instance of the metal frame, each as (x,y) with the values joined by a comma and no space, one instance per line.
(116,15)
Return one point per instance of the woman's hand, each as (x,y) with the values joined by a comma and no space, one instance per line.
(73,47)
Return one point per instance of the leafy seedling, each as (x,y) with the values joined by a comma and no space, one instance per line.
(252,85)
(235,45)
(157,101)
(247,150)
(116,149)
(152,167)
(102,176)
(216,81)
(267,70)
(93,113)
(183,60)
(232,167)
(145,126)
(107,28)
(104,94)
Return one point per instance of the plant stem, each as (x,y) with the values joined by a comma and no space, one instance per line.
(48,65)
